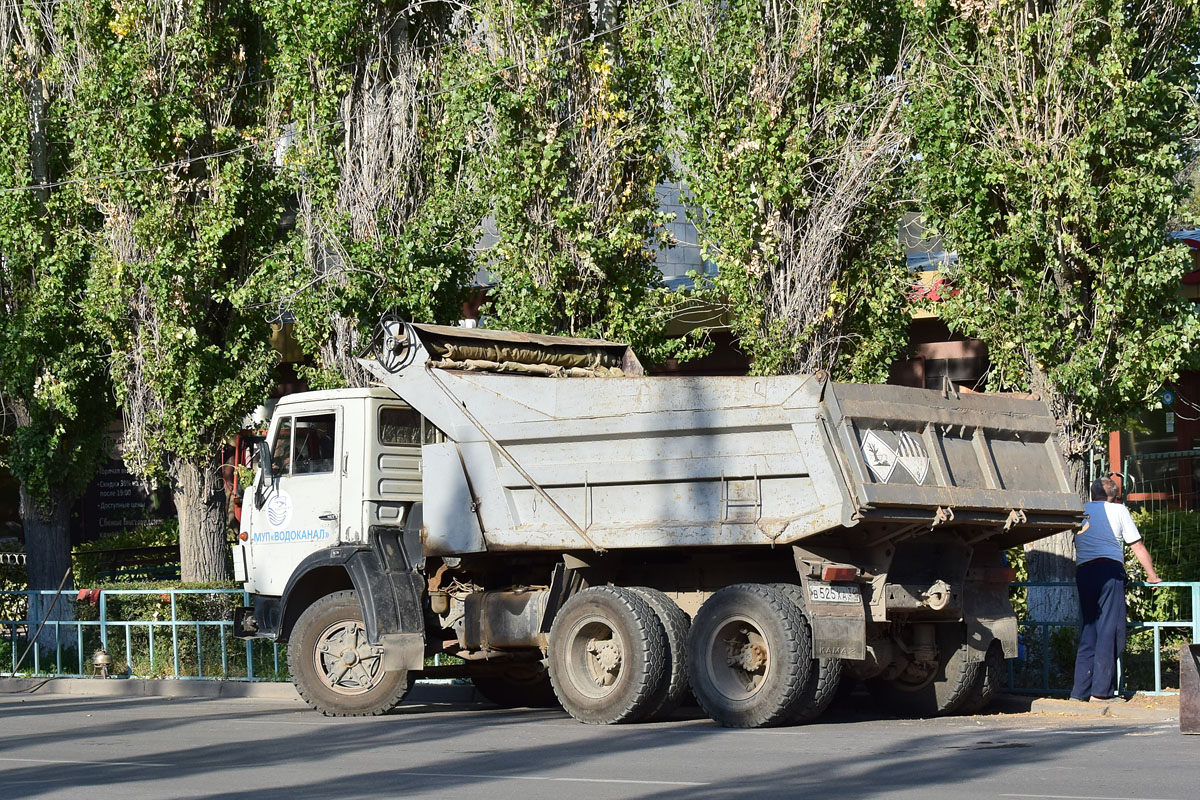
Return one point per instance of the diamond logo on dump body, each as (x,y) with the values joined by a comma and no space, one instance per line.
(880,458)
(912,457)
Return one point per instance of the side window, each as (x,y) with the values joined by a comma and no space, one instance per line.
(281,448)
(399,425)
(315,444)
(430,433)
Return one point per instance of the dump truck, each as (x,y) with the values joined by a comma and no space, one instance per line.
(574,532)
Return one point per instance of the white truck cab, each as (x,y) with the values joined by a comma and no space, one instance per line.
(340,462)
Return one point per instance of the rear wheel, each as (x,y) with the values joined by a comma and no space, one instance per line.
(675,627)
(524,685)
(825,674)
(608,656)
(749,656)
(989,683)
(942,694)
(333,667)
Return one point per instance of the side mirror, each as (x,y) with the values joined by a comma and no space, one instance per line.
(265,474)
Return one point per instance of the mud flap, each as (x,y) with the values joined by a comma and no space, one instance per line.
(988,615)
(839,630)
(403,651)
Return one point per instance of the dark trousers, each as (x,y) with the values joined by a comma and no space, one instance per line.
(1101,584)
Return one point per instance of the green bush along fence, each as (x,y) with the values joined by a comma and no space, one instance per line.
(184,634)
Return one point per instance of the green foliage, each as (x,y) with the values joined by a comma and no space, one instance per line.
(159,534)
(570,135)
(1173,540)
(1050,144)
(50,372)
(374,157)
(180,243)
(784,118)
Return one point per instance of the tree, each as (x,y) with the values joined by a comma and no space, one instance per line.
(1051,133)
(375,159)
(165,117)
(785,120)
(570,149)
(53,379)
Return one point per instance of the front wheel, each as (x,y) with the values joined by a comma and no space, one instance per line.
(333,667)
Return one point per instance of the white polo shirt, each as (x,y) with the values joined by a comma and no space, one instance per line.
(1109,527)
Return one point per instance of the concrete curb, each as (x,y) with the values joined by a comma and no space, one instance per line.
(133,687)
(1139,707)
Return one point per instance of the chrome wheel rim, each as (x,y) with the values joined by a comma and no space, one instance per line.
(344,661)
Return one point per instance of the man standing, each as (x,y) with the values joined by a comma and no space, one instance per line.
(1100,578)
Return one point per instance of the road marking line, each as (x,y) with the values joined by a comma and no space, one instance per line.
(457,775)
(93,763)
(279,722)
(739,732)
(1073,797)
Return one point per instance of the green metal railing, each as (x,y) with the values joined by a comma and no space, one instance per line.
(259,660)
(1044,629)
(83,636)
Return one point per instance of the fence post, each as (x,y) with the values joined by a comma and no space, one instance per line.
(103,620)
(1196,612)
(174,636)
(249,642)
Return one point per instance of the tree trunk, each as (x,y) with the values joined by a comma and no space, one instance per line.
(48,559)
(1053,559)
(200,503)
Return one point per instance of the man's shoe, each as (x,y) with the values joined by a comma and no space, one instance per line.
(1107,700)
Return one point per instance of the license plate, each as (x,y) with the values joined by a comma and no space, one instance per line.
(834,593)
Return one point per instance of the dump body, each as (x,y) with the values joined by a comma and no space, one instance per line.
(622,462)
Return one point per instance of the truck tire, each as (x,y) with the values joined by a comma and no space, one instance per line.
(749,656)
(990,681)
(525,685)
(675,626)
(608,656)
(952,684)
(333,667)
(825,674)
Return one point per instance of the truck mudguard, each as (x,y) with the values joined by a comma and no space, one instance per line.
(388,590)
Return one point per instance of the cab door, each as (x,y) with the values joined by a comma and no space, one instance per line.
(301,500)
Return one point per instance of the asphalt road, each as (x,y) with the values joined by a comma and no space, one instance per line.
(60,746)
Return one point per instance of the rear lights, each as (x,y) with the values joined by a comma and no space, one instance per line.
(1000,575)
(839,573)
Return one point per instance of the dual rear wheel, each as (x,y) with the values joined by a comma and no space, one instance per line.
(617,655)
(629,654)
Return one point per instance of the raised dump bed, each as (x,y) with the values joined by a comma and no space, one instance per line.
(629,461)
